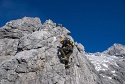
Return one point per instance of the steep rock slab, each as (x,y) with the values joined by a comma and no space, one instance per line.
(37,60)
(12,32)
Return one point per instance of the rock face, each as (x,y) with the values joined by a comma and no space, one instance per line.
(117,50)
(29,55)
(17,28)
(110,64)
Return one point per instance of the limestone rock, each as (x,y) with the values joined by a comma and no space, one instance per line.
(8,48)
(35,58)
(18,28)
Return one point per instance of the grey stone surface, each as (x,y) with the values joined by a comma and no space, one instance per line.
(117,50)
(34,55)
(110,64)
(18,28)
(8,47)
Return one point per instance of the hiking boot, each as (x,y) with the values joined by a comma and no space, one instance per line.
(64,58)
(67,66)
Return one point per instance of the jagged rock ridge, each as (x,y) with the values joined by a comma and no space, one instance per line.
(28,55)
(110,64)
(117,50)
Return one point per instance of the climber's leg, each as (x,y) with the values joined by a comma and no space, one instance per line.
(70,51)
(63,53)
(67,64)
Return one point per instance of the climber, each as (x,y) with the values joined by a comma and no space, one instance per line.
(66,50)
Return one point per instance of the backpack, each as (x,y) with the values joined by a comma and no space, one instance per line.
(68,41)
(72,44)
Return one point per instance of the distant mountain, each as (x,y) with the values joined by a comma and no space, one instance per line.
(116,49)
(110,64)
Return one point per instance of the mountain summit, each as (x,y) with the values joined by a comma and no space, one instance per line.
(110,64)
(28,55)
(116,49)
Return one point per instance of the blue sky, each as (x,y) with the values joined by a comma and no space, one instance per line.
(97,24)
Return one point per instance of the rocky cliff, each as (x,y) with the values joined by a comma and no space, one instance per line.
(29,55)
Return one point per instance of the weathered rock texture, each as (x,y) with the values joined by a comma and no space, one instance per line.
(29,55)
(110,64)
(117,50)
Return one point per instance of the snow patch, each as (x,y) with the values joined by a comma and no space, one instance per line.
(105,65)
(101,62)
(54,39)
(107,77)
(113,71)
(114,74)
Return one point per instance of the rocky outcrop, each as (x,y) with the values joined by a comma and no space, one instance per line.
(12,32)
(17,28)
(29,55)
